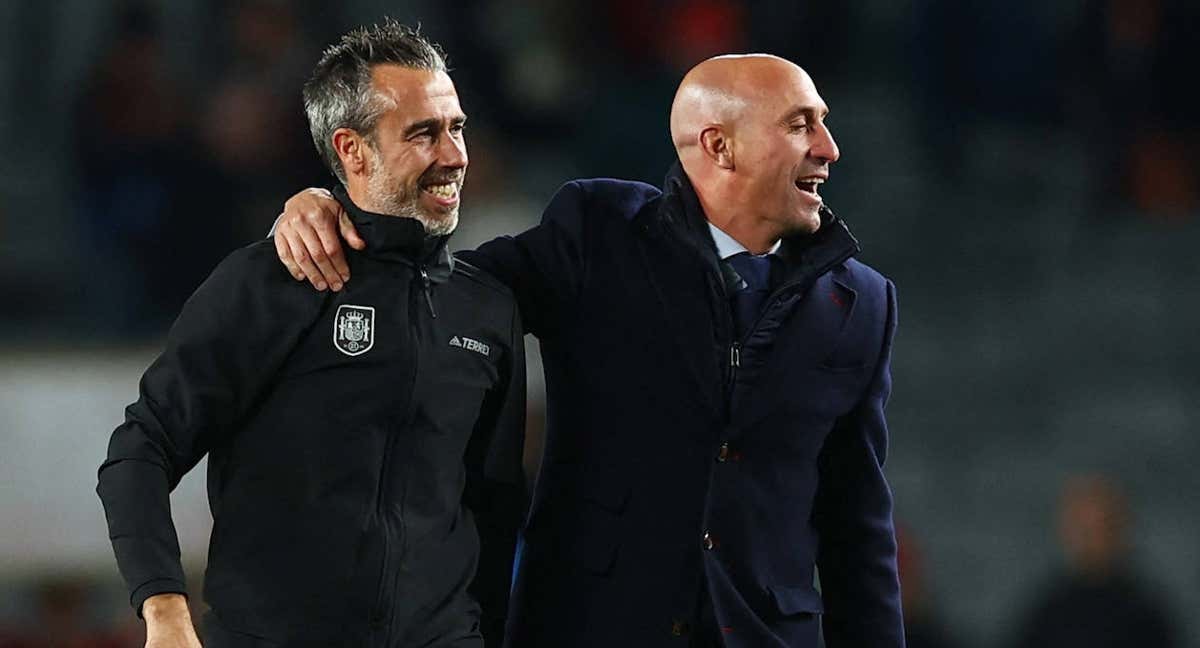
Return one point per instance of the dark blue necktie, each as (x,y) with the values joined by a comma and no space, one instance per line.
(748,302)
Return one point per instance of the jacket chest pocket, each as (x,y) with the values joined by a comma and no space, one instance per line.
(453,383)
(828,392)
(810,396)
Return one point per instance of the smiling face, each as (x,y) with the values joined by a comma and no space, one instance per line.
(414,161)
(783,150)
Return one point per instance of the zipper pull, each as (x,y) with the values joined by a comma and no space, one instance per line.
(425,288)
(735,355)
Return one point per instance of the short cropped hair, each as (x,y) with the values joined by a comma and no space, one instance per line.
(339,93)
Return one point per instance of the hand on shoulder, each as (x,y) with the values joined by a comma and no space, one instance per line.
(308,238)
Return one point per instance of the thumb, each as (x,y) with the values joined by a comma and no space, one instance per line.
(349,233)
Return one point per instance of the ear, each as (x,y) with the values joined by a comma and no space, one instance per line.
(350,148)
(716,145)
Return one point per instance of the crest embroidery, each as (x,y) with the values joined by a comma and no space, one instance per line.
(354,329)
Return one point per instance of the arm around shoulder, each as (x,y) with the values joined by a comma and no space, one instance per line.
(545,265)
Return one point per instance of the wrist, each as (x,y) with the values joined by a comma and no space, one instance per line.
(163,608)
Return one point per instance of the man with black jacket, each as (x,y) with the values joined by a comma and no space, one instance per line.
(356,440)
(717,365)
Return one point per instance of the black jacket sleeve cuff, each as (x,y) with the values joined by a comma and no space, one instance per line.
(157,586)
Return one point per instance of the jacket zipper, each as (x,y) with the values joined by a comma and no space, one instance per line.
(735,362)
(383,615)
(427,289)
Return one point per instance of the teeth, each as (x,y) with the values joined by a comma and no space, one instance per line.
(448,190)
(810,184)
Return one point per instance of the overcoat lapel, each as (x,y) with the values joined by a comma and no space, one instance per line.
(682,286)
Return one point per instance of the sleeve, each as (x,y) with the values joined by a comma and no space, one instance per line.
(545,265)
(227,343)
(853,514)
(495,489)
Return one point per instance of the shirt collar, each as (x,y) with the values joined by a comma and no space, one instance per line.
(727,246)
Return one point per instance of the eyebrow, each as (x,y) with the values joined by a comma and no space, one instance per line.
(433,123)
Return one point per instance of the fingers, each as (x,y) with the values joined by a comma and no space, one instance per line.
(332,246)
(349,233)
(317,256)
(310,246)
(300,258)
(285,255)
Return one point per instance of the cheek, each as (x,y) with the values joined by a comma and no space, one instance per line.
(406,165)
(775,165)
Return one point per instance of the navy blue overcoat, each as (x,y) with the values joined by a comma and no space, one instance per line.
(682,462)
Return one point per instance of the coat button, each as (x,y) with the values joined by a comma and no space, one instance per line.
(723,452)
(708,541)
(679,628)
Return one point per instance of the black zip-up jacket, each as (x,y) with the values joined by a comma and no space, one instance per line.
(350,437)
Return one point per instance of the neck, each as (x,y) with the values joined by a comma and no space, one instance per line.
(755,234)
(356,188)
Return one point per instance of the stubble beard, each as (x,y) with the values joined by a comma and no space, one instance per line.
(396,198)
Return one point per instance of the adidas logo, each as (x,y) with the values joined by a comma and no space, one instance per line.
(470,345)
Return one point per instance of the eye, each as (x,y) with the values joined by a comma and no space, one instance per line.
(457,129)
(799,127)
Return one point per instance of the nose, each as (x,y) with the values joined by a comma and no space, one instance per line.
(453,151)
(824,148)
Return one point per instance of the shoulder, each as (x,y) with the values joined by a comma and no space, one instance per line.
(480,279)
(257,259)
(251,294)
(625,198)
(875,295)
(255,272)
(862,277)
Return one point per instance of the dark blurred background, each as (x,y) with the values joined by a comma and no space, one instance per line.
(1027,172)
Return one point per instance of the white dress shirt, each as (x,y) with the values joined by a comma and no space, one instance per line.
(727,246)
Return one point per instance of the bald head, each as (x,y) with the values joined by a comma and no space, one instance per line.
(720,90)
(750,133)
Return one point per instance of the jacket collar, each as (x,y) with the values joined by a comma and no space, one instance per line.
(805,256)
(399,239)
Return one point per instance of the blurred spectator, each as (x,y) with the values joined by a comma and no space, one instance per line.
(923,627)
(1098,600)
(150,237)
(254,134)
(1124,87)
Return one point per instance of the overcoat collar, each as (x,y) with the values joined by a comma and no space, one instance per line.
(806,256)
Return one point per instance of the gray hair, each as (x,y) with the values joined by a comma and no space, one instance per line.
(339,93)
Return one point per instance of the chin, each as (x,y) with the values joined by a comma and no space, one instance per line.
(439,224)
(807,222)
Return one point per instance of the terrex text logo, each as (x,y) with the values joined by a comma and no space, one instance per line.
(470,345)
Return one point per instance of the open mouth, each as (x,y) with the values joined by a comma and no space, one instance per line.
(810,184)
(447,191)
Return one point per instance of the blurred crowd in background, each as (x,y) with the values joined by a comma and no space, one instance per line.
(1028,173)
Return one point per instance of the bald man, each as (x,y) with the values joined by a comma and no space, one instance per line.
(716,374)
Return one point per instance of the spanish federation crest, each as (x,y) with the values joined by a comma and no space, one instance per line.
(354,329)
